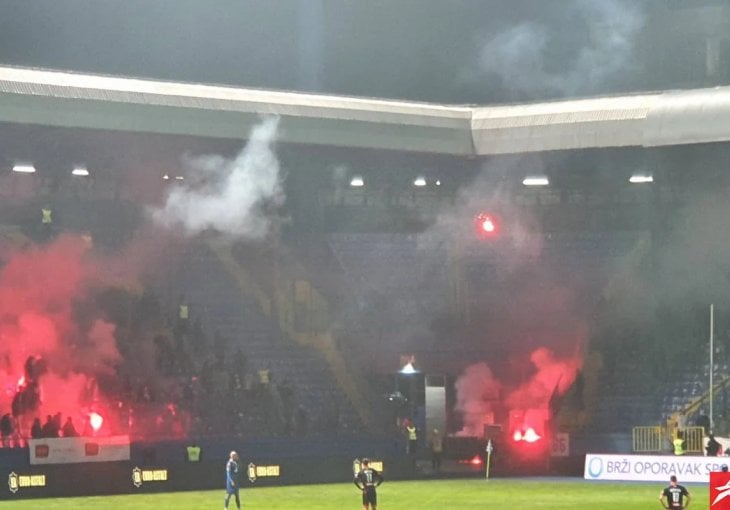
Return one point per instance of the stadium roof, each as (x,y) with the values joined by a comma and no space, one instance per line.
(56,98)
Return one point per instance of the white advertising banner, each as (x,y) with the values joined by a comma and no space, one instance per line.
(69,450)
(651,468)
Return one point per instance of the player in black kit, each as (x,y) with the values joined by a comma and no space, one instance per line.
(367,480)
(674,495)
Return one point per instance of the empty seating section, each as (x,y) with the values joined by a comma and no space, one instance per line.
(409,270)
(300,374)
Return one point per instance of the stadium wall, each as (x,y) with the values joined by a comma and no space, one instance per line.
(129,478)
(163,467)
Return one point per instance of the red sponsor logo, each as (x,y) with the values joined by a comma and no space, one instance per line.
(719,490)
(91,449)
(42,451)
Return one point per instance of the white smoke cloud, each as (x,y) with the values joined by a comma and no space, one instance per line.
(477,392)
(231,196)
(519,54)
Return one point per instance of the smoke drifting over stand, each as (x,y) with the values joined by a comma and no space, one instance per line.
(532,318)
(595,37)
(230,196)
(542,326)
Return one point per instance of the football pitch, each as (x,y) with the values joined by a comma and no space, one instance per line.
(497,494)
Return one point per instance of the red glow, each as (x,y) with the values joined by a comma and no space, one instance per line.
(531,436)
(476,461)
(96,421)
(528,436)
(53,357)
(486,224)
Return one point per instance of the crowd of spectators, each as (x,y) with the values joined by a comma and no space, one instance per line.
(177,376)
(12,434)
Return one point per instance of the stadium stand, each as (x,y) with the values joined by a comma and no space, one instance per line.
(236,317)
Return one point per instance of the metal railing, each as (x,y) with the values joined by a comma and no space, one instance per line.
(648,439)
(657,439)
(694,438)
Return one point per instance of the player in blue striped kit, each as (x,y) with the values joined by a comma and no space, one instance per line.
(232,480)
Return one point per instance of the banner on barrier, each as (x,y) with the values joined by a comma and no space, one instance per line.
(140,476)
(21,481)
(650,468)
(255,472)
(69,450)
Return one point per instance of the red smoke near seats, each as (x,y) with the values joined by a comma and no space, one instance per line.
(39,333)
(481,397)
(529,403)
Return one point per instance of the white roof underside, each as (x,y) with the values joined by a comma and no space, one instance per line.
(32,96)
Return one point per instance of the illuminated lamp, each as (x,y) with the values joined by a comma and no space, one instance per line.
(24,168)
(641,178)
(536,180)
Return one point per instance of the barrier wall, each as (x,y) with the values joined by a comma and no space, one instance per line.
(162,466)
(126,477)
(650,468)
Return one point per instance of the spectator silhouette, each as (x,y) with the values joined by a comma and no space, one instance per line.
(36,431)
(68,428)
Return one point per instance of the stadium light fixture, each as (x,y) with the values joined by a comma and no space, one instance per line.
(166,177)
(420,181)
(179,177)
(80,170)
(357,181)
(641,178)
(536,180)
(24,168)
(438,183)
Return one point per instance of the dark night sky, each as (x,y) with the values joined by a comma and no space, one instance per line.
(431,50)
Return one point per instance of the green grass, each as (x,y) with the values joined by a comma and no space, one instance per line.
(437,494)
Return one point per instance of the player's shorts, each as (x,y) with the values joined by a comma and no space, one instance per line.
(369,496)
(230,489)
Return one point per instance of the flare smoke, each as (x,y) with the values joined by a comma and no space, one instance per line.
(520,55)
(231,196)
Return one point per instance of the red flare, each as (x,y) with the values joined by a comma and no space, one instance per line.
(531,436)
(96,421)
